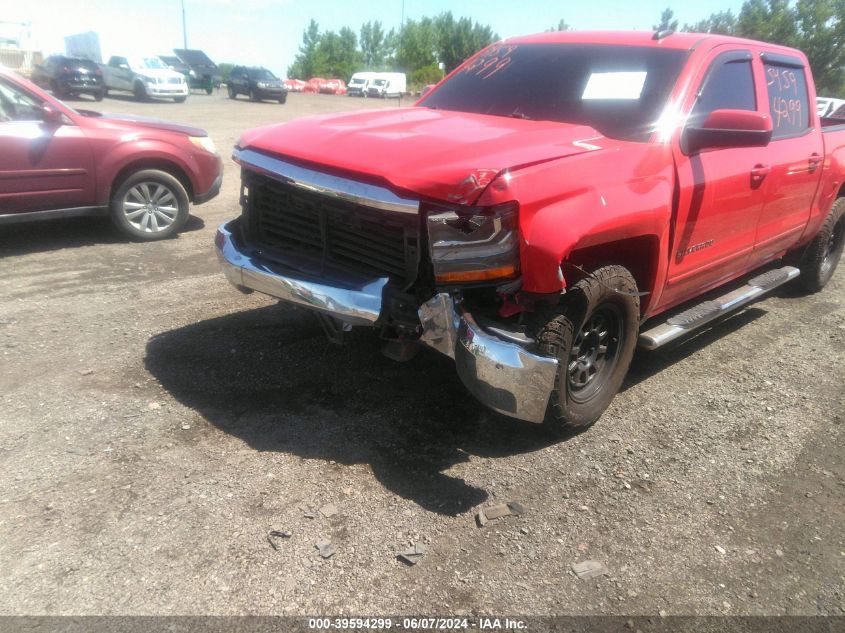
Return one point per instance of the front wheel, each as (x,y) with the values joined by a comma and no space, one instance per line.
(822,255)
(231,91)
(179,99)
(593,336)
(283,99)
(150,205)
(140,91)
(98,96)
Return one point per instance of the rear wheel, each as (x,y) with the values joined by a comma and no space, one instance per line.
(593,337)
(822,255)
(231,91)
(150,205)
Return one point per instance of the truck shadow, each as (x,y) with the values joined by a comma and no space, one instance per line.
(269,377)
(50,235)
(647,364)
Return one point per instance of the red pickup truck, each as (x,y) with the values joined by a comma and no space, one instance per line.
(56,161)
(556,200)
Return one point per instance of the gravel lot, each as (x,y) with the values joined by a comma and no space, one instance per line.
(155,424)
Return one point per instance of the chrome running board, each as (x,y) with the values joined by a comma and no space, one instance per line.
(707,311)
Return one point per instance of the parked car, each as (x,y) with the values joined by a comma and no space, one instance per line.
(201,71)
(145,77)
(258,83)
(358,84)
(333,87)
(555,201)
(825,106)
(386,85)
(62,162)
(70,77)
(294,85)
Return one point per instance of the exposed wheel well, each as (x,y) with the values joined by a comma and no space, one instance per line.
(153,163)
(638,254)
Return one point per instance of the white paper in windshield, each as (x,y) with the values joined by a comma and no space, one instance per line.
(619,85)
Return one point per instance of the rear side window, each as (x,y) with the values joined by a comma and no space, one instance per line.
(728,86)
(789,104)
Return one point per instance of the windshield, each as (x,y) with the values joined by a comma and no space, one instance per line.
(379,82)
(355,81)
(261,74)
(153,62)
(618,90)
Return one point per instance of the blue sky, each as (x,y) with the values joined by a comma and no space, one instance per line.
(268,32)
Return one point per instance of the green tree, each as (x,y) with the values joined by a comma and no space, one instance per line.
(667,21)
(768,21)
(223,71)
(459,39)
(723,22)
(304,63)
(821,28)
(374,45)
(416,45)
(561,26)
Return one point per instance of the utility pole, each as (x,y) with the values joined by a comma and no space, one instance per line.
(184,29)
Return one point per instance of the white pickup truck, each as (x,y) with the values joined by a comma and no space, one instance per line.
(145,77)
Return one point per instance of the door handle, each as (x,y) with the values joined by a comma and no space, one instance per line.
(814,160)
(759,172)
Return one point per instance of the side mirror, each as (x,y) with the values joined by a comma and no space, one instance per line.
(51,116)
(729,128)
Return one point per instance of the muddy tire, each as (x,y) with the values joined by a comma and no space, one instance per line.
(821,256)
(593,335)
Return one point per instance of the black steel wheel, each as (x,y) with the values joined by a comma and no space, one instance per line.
(821,257)
(594,352)
(593,335)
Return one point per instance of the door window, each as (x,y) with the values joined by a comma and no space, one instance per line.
(729,85)
(16,105)
(789,104)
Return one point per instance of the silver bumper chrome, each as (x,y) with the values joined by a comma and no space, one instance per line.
(504,376)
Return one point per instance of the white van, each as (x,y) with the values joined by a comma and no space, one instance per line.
(387,85)
(358,84)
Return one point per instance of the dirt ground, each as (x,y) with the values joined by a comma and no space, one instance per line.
(155,424)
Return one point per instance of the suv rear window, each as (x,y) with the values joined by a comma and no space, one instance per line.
(619,90)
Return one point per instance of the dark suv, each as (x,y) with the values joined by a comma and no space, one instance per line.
(70,77)
(258,83)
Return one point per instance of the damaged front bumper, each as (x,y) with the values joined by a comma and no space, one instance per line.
(503,375)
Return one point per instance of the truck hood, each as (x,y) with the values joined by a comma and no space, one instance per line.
(159,74)
(133,121)
(425,152)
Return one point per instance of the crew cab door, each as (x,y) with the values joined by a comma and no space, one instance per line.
(795,156)
(43,165)
(120,74)
(718,199)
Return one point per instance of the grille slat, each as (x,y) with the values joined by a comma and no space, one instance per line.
(342,234)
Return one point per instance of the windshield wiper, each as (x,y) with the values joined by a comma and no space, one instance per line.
(516,114)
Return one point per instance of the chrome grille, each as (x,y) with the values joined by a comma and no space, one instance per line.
(335,234)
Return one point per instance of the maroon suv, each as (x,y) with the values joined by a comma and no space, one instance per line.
(58,162)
